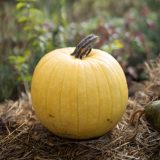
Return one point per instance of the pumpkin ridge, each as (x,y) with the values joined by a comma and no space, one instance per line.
(119,76)
(54,68)
(86,94)
(107,86)
(120,79)
(85,90)
(110,80)
(49,57)
(60,97)
(89,95)
(115,77)
(97,88)
(100,68)
(119,90)
(122,76)
(112,97)
(42,81)
(78,127)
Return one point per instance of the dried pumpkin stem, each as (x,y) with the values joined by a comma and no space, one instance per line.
(141,112)
(84,47)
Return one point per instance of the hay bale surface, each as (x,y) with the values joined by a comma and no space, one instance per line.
(22,137)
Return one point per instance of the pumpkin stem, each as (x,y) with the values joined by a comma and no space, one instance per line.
(84,47)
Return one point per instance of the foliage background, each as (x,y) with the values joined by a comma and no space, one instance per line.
(129,30)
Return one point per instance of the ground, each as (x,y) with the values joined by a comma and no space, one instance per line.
(22,137)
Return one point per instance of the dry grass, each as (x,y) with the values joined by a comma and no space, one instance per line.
(22,137)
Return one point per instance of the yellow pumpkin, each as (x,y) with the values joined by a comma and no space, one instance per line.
(80,92)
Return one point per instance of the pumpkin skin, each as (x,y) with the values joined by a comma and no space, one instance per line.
(79,98)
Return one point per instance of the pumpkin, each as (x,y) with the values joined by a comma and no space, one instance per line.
(80,92)
(152,114)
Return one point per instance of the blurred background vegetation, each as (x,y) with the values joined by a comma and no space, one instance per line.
(129,30)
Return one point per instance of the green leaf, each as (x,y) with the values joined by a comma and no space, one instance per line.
(118,44)
(27,53)
(20,5)
(22,19)
(12,59)
(27,28)
(20,59)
